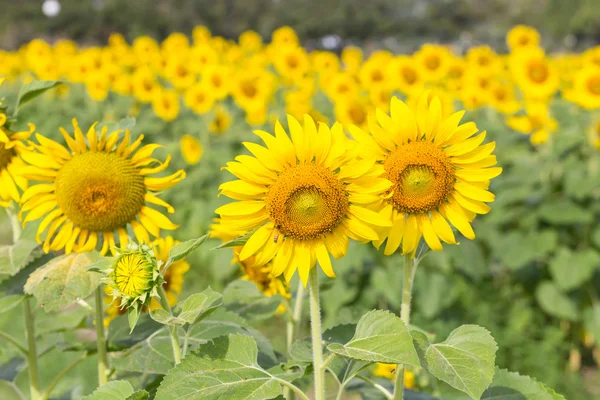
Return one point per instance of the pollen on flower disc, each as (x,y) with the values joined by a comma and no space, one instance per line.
(307,201)
(100,191)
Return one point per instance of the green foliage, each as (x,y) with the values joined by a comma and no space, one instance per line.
(225,368)
(244,298)
(33,89)
(115,390)
(63,280)
(182,250)
(193,309)
(465,360)
(380,336)
(511,385)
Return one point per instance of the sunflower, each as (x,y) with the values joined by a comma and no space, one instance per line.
(201,56)
(173,280)
(404,75)
(284,36)
(433,61)
(11,147)
(250,41)
(144,85)
(199,98)
(439,172)
(292,62)
(502,97)
(352,58)
(537,122)
(535,74)
(586,88)
(388,371)
(179,72)
(94,191)
(165,103)
(341,85)
(302,198)
(191,149)
(221,122)
(521,36)
(216,80)
(373,73)
(352,110)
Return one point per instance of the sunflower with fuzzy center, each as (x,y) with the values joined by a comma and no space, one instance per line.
(303,197)
(11,146)
(439,170)
(93,191)
(173,280)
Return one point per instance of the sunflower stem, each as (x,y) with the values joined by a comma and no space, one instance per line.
(315,325)
(293,324)
(164,302)
(410,266)
(33,370)
(100,338)
(14,223)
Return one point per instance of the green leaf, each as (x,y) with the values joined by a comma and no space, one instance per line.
(139,395)
(226,368)
(164,317)
(380,336)
(199,305)
(556,303)
(115,390)
(181,250)
(564,212)
(31,90)
(16,283)
(301,350)
(512,386)
(237,242)
(9,302)
(10,391)
(243,298)
(570,270)
(465,360)
(63,280)
(133,315)
(14,257)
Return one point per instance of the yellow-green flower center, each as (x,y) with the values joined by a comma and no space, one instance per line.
(423,177)
(307,201)
(99,191)
(133,275)
(538,72)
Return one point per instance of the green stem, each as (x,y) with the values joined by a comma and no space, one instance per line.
(293,323)
(292,387)
(377,386)
(61,374)
(164,302)
(14,341)
(34,373)
(14,223)
(410,266)
(315,325)
(328,360)
(100,338)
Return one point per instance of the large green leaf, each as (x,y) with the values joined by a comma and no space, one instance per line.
(512,386)
(9,302)
(63,280)
(570,270)
(226,368)
(115,390)
(591,319)
(465,360)
(243,298)
(380,336)
(556,303)
(10,391)
(14,257)
(31,90)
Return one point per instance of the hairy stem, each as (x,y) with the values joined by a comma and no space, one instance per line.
(164,302)
(377,386)
(100,338)
(32,362)
(315,325)
(410,266)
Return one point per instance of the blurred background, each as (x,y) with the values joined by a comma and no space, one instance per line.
(395,24)
(532,276)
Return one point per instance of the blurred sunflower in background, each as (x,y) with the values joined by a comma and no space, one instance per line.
(191,149)
(388,371)
(92,192)
(536,122)
(439,170)
(302,197)
(522,37)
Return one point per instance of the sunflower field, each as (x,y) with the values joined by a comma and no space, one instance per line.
(204,218)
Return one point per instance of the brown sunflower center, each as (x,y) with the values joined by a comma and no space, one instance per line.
(593,85)
(6,155)
(307,201)
(538,72)
(423,177)
(409,75)
(432,62)
(100,192)
(357,114)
